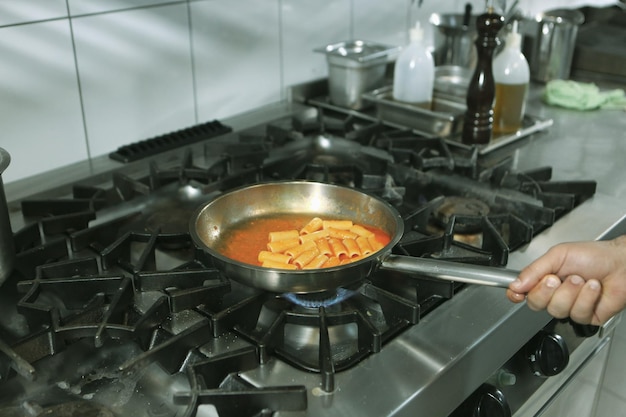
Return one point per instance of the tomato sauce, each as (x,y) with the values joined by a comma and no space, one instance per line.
(244,241)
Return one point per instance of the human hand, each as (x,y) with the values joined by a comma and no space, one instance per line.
(585,281)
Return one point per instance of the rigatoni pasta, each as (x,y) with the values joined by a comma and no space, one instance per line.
(274,257)
(340,233)
(298,249)
(352,248)
(245,241)
(364,245)
(319,244)
(320,234)
(283,234)
(282,245)
(313,225)
(316,262)
(332,261)
(338,248)
(337,224)
(323,246)
(361,231)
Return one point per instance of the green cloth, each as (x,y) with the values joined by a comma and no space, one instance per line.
(582,96)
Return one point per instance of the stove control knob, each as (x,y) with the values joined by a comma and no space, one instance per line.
(548,354)
(486,401)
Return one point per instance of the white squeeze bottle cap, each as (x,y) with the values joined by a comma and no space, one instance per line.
(514,39)
(416,33)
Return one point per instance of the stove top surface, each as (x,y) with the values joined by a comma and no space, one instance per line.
(107,275)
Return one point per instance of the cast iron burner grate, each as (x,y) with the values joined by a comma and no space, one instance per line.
(164,312)
(319,336)
(114,264)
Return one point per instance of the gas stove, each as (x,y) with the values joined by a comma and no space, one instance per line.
(112,311)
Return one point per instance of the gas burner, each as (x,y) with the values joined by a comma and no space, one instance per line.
(460,206)
(322,299)
(331,159)
(168,210)
(329,339)
(468,211)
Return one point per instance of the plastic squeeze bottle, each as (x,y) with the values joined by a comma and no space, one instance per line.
(414,72)
(511,76)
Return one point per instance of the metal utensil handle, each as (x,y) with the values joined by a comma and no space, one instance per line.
(451,271)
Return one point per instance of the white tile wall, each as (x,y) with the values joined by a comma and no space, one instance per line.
(135,73)
(307,25)
(384,22)
(78,7)
(236,49)
(124,70)
(15,12)
(39,99)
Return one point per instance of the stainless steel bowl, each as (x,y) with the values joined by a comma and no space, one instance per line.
(453,80)
(549,43)
(454,40)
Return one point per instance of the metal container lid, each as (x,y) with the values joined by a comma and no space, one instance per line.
(359,51)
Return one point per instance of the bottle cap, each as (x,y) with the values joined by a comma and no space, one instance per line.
(416,33)
(514,39)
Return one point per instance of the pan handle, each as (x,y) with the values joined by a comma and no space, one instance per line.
(450,271)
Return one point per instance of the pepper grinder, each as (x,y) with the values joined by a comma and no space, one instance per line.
(481,90)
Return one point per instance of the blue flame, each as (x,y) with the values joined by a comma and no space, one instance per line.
(337,297)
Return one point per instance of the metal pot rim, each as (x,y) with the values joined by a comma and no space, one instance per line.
(359,51)
(5,159)
(453,23)
(561,17)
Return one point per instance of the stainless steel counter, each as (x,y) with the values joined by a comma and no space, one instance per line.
(580,144)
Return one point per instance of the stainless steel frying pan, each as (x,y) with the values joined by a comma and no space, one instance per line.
(211,222)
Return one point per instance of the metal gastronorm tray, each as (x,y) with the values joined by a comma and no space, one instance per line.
(444,120)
